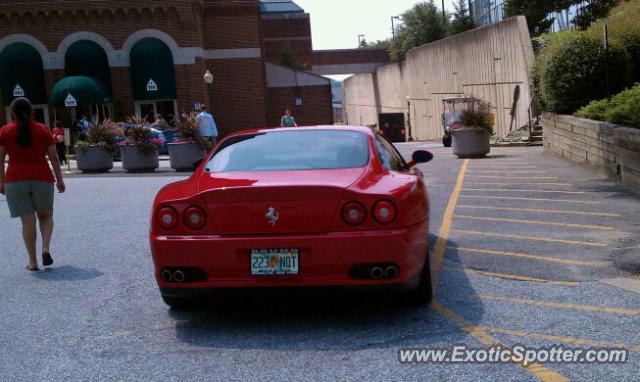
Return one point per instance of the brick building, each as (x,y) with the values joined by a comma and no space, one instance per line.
(119,58)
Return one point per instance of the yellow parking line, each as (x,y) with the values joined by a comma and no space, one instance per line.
(532,199)
(535,222)
(513,177)
(526,256)
(562,339)
(483,336)
(551,304)
(511,277)
(548,239)
(518,183)
(509,171)
(564,212)
(519,190)
(445,229)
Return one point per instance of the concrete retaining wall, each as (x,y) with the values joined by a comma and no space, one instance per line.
(615,150)
(487,62)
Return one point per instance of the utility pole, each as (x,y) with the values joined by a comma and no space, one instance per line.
(360,37)
(444,15)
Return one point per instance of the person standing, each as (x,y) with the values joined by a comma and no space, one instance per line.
(287,120)
(28,183)
(58,137)
(207,126)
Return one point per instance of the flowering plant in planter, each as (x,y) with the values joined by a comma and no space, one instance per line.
(101,134)
(139,135)
(189,131)
(478,114)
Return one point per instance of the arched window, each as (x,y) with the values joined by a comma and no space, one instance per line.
(86,58)
(22,74)
(152,71)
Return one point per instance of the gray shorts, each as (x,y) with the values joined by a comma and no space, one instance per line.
(26,197)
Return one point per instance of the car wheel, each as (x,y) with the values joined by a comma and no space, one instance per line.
(179,303)
(423,293)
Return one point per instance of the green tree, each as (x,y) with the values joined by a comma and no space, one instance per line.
(289,58)
(593,10)
(538,12)
(462,20)
(421,25)
(363,43)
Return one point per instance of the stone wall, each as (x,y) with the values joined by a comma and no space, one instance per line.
(614,150)
(488,62)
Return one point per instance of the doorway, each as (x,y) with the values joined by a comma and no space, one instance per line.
(149,110)
(40,114)
(392,126)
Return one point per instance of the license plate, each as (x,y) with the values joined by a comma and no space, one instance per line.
(274,262)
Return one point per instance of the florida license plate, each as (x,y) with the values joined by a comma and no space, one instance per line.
(274,262)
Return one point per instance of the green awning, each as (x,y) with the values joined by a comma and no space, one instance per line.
(80,91)
(152,71)
(22,74)
(86,58)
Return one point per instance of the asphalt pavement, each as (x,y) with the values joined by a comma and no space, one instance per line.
(524,248)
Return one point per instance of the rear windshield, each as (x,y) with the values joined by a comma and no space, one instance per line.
(291,150)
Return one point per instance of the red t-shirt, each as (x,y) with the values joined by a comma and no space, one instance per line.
(27,163)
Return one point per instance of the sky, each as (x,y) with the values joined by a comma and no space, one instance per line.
(336,24)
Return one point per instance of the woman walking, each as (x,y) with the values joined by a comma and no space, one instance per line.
(28,182)
(58,137)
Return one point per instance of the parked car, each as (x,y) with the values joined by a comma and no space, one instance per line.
(319,206)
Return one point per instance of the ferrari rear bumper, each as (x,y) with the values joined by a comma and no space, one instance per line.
(324,259)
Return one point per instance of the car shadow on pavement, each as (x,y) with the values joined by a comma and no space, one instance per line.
(68,273)
(323,319)
(616,191)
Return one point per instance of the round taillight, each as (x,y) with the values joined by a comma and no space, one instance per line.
(194,217)
(384,212)
(167,218)
(354,213)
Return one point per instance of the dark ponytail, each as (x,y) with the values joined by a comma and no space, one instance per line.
(22,110)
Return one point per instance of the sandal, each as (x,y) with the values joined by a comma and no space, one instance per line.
(47,259)
(32,269)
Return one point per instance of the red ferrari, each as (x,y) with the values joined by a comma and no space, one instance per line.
(314,206)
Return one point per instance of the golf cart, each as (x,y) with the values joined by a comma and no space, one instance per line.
(451,115)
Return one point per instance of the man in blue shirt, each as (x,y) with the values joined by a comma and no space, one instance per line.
(207,125)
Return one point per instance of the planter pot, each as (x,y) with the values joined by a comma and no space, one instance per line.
(182,155)
(94,159)
(135,161)
(469,142)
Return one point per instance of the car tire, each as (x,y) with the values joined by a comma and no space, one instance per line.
(179,303)
(423,293)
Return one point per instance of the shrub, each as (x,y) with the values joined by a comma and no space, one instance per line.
(624,109)
(571,71)
(624,26)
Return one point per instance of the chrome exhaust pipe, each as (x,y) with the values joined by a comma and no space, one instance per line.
(376,273)
(391,272)
(166,276)
(178,276)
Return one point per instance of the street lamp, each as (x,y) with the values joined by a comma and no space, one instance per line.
(409,118)
(208,79)
(360,38)
(393,25)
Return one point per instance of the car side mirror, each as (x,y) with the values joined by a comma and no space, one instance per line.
(197,163)
(420,156)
